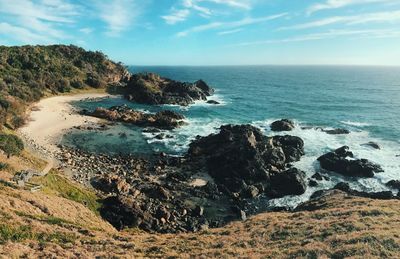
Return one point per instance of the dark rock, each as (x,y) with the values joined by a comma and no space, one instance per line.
(152,89)
(289,182)
(338,161)
(395,184)
(337,131)
(198,211)
(372,144)
(384,195)
(252,191)
(312,183)
(163,119)
(212,102)
(320,177)
(241,155)
(282,125)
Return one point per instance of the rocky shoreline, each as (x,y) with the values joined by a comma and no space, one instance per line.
(220,179)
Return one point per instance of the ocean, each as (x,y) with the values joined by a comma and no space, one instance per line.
(364,100)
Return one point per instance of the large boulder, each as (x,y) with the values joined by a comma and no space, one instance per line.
(150,88)
(240,155)
(289,182)
(342,161)
(282,125)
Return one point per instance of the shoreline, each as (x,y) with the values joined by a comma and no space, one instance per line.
(50,118)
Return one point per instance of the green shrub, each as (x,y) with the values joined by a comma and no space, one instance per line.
(11,144)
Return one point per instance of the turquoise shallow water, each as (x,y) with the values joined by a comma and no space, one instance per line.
(365,100)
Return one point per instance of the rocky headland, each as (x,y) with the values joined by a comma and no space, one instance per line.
(151,88)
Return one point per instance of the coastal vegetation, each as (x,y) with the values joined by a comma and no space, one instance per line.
(29,73)
(11,144)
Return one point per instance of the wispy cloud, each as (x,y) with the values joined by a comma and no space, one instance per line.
(37,21)
(119,15)
(392,16)
(380,33)
(334,4)
(230,31)
(229,25)
(176,16)
(181,12)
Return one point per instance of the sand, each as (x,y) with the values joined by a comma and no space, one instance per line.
(51,118)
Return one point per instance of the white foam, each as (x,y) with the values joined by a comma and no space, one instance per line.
(356,124)
(317,143)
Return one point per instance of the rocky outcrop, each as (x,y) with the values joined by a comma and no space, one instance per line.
(342,161)
(282,125)
(241,156)
(152,89)
(162,120)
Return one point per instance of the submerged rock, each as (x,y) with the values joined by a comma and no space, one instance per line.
(152,89)
(372,144)
(213,102)
(240,156)
(163,119)
(341,161)
(336,131)
(282,125)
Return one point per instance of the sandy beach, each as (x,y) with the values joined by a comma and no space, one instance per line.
(51,117)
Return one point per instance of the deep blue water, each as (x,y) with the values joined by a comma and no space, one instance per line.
(365,100)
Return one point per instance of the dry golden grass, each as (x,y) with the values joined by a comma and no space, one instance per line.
(48,223)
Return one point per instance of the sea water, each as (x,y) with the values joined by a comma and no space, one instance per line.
(364,100)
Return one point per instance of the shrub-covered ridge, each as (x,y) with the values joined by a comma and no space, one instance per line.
(28,73)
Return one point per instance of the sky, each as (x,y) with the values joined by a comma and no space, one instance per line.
(213,32)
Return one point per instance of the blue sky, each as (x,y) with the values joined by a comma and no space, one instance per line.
(212,32)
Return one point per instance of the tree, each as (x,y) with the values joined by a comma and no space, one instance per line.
(11,144)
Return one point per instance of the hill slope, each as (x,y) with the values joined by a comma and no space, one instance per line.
(28,73)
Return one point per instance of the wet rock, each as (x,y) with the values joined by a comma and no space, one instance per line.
(336,131)
(152,89)
(289,182)
(312,183)
(394,184)
(282,125)
(340,161)
(212,102)
(372,144)
(320,177)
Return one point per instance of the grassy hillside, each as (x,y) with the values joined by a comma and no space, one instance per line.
(28,73)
